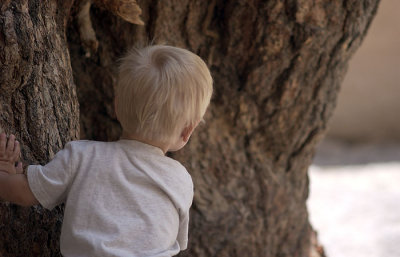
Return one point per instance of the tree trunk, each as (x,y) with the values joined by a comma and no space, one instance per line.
(277,67)
(39,105)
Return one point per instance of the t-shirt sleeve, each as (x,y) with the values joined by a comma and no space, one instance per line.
(183,231)
(50,183)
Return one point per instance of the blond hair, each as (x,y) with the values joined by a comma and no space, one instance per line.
(160,90)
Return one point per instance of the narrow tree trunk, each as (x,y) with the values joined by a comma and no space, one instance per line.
(277,67)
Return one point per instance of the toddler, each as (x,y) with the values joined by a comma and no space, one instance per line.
(124,198)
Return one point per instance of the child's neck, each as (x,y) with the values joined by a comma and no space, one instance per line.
(129,136)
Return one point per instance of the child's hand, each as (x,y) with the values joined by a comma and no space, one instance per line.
(9,155)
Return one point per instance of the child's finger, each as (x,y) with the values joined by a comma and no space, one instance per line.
(17,151)
(3,141)
(19,168)
(10,144)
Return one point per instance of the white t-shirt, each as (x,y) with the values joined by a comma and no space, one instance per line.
(123,198)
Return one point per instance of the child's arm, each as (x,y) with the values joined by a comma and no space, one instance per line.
(14,185)
(15,188)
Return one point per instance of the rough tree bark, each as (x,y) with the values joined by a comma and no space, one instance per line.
(39,105)
(277,67)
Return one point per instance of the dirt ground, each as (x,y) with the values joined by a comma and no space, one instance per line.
(354,201)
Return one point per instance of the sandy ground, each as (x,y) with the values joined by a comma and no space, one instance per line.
(354,204)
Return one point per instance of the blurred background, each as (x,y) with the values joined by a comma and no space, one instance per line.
(354,199)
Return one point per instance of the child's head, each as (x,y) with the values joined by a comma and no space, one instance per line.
(160,91)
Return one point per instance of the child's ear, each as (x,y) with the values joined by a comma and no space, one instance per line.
(187,132)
